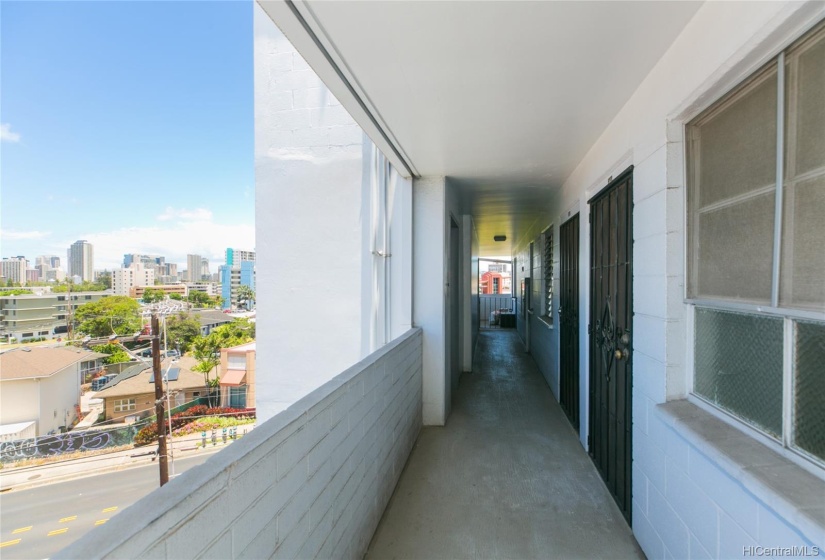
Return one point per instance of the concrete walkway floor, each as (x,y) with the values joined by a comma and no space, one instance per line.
(506,478)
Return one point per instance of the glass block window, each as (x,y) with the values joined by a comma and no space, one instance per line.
(548,274)
(756,248)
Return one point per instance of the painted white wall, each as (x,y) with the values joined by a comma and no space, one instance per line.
(59,394)
(308,166)
(677,509)
(20,401)
(429,302)
(50,401)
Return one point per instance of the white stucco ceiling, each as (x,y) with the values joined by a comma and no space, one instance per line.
(499,95)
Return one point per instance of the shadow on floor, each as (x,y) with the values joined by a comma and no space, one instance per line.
(506,478)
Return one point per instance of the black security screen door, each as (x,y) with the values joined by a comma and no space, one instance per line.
(569,319)
(611,318)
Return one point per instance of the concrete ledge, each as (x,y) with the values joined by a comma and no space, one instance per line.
(786,488)
(313,480)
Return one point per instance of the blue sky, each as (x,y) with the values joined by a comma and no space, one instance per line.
(129,124)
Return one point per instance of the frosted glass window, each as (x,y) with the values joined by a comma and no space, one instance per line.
(760,282)
(738,365)
(731,197)
(809,385)
(802,277)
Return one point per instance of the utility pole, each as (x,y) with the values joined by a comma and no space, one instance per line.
(159,404)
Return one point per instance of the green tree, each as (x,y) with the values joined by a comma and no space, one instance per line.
(15,292)
(245,295)
(176,297)
(151,295)
(105,279)
(206,349)
(116,353)
(82,287)
(181,330)
(200,298)
(111,315)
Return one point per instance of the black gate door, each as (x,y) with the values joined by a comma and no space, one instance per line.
(569,319)
(611,317)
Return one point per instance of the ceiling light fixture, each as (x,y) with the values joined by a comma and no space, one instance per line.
(500,238)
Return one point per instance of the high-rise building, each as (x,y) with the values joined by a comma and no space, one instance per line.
(194,267)
(13,269)
(52,261)
(124,279)
(233,277)
(237,256)
(81,260)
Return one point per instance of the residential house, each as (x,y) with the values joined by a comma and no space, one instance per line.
(133,395)
(657,172)
(238,376)
(211,318)
(42,385)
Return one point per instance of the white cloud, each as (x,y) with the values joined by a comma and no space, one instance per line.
(182,214)
(11,235)
(173,241)
(6,135)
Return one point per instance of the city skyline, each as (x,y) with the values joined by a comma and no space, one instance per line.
(128,125)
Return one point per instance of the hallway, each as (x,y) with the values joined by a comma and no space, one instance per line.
(506,478)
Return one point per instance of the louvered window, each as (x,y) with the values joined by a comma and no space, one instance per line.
(548,274)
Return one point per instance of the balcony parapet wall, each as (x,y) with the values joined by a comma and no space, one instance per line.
(313,481)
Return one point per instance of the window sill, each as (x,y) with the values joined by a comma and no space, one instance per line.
(548,324)
(791,491)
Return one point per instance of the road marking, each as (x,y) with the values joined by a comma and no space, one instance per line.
(10,543)
(22,530)
(57,532)
(65,519)
(101,521)
(109,509)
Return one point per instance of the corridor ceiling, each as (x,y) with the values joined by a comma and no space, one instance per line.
(506,97)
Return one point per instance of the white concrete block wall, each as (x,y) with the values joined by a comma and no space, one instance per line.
(312,482)
(685,501)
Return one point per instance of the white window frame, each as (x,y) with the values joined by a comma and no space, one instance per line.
(124,405)
(784,443)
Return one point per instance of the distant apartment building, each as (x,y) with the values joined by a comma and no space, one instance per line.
(158,263)
(233,277)
(211,289)
(237,256)
(124,279)
(54,275)
(51,261)
(493,282)
(24,317)
(13,269)
(80,260)
(32,275)
(137,291)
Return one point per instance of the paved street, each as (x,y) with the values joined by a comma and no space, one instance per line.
(38,522)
